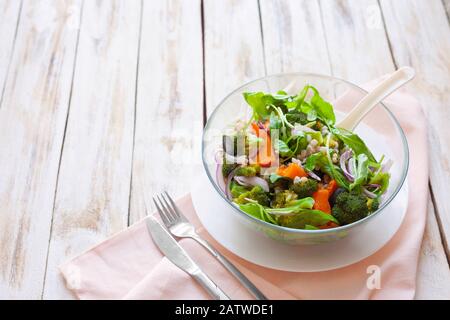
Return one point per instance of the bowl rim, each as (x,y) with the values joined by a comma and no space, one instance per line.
(304,231)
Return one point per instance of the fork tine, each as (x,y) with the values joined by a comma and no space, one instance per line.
(161,213)
(175,207)
(166,210)
(171,208)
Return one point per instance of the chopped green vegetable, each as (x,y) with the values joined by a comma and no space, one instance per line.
(381,178)
(306,217)
(350,208)
(255,194)
(305,188)
(353,141)
(248,171)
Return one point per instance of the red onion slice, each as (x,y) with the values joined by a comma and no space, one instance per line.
(368,193)
(347,156)
(313,175)
(252,181)
(220,178)
(229,180)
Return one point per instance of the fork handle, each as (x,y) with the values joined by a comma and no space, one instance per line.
(232,269)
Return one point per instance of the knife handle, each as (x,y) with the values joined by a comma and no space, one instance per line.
(209,285)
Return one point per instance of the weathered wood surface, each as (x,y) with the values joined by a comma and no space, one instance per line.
(419,34)
(99,98)
(94,177)
(9,20)
(233,47)
(169,109)
(32,121)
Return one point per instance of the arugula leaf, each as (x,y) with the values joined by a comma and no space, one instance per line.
(320,159)
(275,121)
(381,178)
(311,113)
(306,217)
(313,160)
(298,101)
(323,108)
(282,148)
(354,142)
(362,170)
(258,101)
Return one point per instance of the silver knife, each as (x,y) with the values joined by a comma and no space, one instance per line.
(175,253)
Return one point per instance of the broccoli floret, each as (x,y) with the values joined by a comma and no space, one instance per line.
(283,198)
(350,207)
(256,193)
(304,188)
(373,204)
(295,116)
(248,171)
(227,168)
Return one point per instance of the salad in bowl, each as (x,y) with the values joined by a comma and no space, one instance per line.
(288,165)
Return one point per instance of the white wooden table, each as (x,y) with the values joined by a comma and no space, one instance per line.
(95,97)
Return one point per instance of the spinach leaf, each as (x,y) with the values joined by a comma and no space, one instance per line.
(258,211)
(354,142)
(293,207)
(236,189)
(361,170)
(306,217)
(258,102)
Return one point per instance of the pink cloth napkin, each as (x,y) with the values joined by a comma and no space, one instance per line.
(129,266)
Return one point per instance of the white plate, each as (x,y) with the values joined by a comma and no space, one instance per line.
(255,247)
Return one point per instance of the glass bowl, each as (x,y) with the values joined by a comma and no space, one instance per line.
(379,129)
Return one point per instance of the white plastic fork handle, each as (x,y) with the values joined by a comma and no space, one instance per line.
(384,89)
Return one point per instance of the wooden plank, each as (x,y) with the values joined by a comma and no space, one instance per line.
(357,43)
(446,4)
(9,18)
(93,189)
(420,36)
(294,39)
(169,115)
(32,118)
(233,47)
(433,276)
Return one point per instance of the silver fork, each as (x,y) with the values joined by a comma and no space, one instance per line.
(180,227)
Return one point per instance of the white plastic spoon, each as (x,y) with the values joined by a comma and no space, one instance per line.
(384,89)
